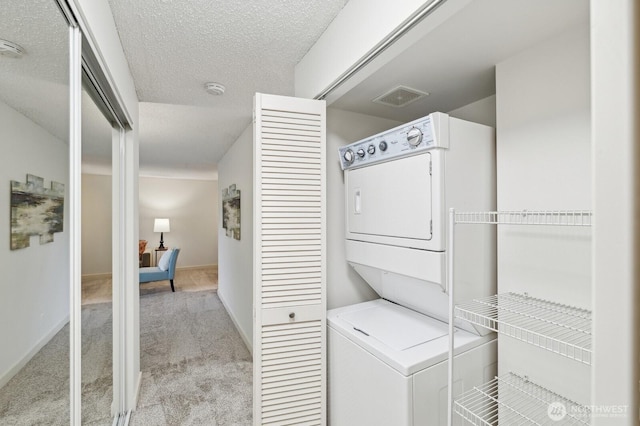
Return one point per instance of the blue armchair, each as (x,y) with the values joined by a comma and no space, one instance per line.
(156,274)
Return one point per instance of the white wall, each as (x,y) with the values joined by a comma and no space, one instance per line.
(35,280)
(96,224)
(544,163)
(235,257)
(616,160)
(344,285)
(482,111)
(192,206)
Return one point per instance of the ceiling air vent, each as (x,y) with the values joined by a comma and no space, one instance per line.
(400,96)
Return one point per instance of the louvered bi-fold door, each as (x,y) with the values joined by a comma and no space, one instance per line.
(289,255)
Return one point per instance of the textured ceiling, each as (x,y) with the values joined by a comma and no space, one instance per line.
(175,47)
(36,84)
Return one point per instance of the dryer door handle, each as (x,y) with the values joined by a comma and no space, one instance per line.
(357,201)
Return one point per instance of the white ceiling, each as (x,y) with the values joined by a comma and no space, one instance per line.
(175,47)
(455,62)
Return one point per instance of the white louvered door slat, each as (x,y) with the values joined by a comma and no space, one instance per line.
(289,254)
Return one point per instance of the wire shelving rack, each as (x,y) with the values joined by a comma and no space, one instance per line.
(562,329)
(511,399)
(524,217)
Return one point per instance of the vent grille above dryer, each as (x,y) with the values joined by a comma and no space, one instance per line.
(400,96)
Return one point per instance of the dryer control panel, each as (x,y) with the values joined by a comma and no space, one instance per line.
(411,138)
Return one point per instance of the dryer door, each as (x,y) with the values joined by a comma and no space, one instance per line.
(391,202)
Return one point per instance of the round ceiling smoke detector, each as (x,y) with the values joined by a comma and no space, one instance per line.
(214,88)
(10,49)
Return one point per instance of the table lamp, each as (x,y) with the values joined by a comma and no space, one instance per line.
(161,225)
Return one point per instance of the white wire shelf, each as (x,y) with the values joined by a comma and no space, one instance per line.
(513,400)
(562,329)
(524,217)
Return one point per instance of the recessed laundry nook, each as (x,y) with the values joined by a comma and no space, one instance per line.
(521,70)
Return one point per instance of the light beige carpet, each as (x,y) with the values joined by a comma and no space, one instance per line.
(97,288)
(195,368)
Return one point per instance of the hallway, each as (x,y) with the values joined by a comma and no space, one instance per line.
(195,368)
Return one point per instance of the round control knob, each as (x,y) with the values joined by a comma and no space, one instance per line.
(414,136)
(360,153)
(382,146)
(371,149)
(349,156)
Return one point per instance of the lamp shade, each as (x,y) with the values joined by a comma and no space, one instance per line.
(161,225)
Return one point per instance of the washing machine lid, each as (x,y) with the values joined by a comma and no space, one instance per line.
(395,326)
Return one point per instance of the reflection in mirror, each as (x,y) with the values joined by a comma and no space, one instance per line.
(34,242)
(97,318)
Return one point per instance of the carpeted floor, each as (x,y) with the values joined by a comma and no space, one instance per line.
(97,288)
(39,393)
(195,368)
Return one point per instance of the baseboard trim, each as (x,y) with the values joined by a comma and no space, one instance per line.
(244,337)
(183,268)
(107,275)
(8,375)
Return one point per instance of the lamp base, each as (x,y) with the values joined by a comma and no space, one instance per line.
(161,246)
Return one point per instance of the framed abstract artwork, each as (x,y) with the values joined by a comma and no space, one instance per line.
(231,211)
(35,210)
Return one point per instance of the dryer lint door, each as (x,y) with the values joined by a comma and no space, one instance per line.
(391,202)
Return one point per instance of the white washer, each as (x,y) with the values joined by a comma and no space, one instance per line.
(388,365)
(387,358)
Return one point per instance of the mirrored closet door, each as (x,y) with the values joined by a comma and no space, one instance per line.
(34,214)
(56,352)
(96,264)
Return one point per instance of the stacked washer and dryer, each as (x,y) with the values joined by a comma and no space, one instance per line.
(387,358)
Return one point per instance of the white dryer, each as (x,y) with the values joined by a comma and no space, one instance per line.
(388,358)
